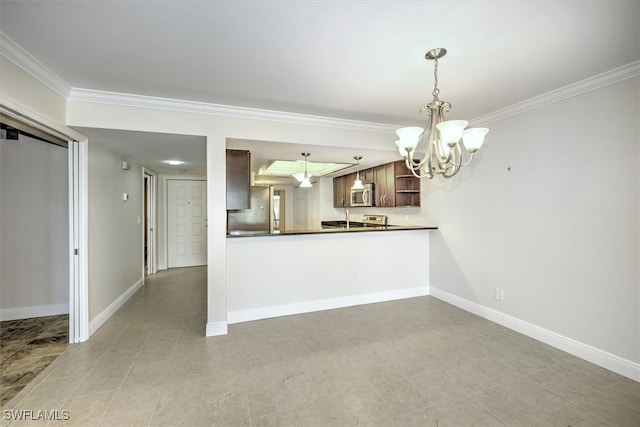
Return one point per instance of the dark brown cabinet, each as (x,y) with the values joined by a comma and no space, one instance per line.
(394,186)
(407,186)
(367,176)
(384,185)
(342,190)
(339,195)
(238,179)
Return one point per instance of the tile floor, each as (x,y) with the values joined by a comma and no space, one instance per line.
(403,363)
(27,347)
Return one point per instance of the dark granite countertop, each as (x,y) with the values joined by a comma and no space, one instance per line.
(356,228)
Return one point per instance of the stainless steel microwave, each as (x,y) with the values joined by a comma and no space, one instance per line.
(362,197)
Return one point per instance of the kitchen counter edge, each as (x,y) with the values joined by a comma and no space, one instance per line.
(334,230)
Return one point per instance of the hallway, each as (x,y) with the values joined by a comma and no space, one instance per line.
(417,361)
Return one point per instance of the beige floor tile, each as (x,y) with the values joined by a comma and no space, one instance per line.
(85,410)
(133,398)
(136,419)
(413,362)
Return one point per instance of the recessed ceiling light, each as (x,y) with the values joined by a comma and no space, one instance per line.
(174,162)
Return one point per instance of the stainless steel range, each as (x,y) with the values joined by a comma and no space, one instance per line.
(374,220)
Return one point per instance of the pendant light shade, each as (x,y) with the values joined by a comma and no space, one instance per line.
(305,183)
(357,184)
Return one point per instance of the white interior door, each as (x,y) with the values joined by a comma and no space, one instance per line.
(187,223)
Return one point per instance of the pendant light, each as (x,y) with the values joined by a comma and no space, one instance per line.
(358,185)
(305,183)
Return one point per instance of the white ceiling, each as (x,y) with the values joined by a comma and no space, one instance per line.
(359,60)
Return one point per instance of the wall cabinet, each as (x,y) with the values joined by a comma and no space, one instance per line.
(342,190)
(394,186)
(384,186)
(367,176)
(238,179)
(339,198)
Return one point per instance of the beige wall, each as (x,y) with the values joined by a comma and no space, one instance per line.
(559,230)
(22,92)
(115,228)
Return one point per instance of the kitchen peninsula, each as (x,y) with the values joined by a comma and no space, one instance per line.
(320,263)
(302,272)
(357,228)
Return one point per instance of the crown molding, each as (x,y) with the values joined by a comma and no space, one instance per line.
(143,101)
(17,55)
(598,81)
(14,53)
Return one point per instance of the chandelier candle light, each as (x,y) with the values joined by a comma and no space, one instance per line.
(444,154)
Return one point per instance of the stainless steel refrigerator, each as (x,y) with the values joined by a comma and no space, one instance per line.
(256,220)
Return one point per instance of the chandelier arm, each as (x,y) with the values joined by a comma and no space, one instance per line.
(470,159)
(413,165)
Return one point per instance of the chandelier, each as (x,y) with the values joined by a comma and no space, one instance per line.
(444,154)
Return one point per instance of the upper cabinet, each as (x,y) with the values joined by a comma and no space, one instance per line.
(394,186)
(384,187)
(238,179)
(339,194)
(342,190)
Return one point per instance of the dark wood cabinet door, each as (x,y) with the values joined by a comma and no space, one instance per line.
(339,199)
(348,183)
(238,179)
(367,176)
(384,185)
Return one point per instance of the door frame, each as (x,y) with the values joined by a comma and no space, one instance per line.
(150,181)
(77,166)
(78,242)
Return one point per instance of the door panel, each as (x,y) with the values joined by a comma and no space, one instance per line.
(187,240)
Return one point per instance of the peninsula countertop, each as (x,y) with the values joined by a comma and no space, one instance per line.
(355,228)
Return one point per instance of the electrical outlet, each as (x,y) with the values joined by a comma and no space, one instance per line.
(359,279)
(500,294)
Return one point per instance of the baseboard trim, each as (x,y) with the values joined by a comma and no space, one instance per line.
(216,328)
(101,318)
(323,304)
(34,311)
(594,355)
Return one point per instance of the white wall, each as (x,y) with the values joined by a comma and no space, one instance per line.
(34,229)
(278,275)
(115,231)
(559,231)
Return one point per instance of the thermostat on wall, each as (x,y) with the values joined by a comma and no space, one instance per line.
(125,165)
(125,197)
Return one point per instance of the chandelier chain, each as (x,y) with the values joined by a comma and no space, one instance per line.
(436,91)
